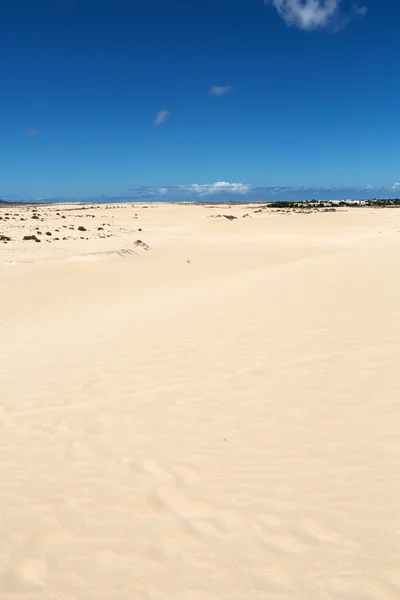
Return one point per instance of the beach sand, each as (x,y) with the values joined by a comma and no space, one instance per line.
(199,408)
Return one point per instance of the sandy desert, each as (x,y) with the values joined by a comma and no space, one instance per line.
(199,403)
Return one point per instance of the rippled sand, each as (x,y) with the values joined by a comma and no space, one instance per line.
(210,414)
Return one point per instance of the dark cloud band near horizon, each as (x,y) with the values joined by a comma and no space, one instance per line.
(224,192)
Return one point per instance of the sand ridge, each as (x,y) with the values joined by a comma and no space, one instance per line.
(211,413)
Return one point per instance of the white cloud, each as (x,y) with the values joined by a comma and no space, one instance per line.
(32,132)
(313,14)
(162,191)
(219,187)
(396,186)
(161,117)
(219,90)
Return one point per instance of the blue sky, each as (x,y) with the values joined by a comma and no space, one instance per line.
(216,99)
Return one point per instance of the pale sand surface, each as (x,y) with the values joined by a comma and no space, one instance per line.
(220,429)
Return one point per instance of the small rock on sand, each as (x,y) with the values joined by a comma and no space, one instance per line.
(32,238)
(141,244)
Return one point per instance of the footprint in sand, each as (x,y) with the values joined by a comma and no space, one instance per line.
(171,496)
(28,575)
(314,530)
(182,474)
(169,500)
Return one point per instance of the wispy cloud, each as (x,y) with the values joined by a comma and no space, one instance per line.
(220,187)
(194,189)
(223,191)
(360,11)
(327,192)
(32,132)
(315,14)
(219,90)
(161,117)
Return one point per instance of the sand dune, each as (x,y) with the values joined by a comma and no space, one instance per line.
(210,414)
